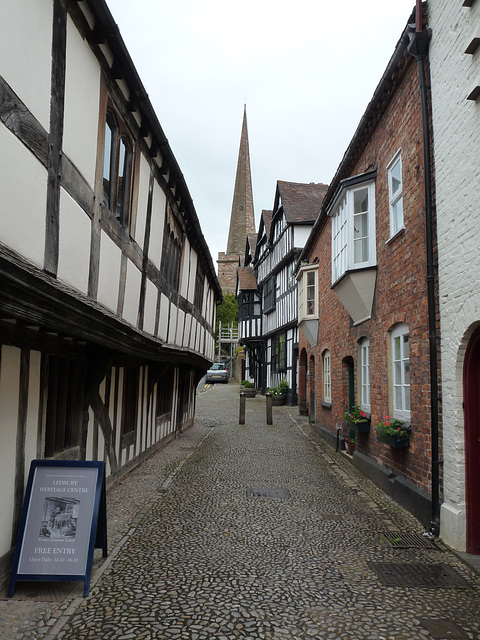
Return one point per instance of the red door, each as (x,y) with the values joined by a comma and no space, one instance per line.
(471,390)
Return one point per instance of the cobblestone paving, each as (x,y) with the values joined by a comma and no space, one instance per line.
(203,560)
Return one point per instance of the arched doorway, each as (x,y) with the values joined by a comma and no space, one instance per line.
(471,398)
(302,384)
(311,391)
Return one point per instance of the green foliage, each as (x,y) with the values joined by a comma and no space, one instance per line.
(280,390)
(227,311)
(247,384)
(396,429)
(354,416)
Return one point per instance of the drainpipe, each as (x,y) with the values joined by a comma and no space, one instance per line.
(418,47)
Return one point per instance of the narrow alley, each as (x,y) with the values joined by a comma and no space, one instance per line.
(254,532)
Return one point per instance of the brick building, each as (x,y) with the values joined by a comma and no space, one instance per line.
(363,295)
(455,74)
(242,218)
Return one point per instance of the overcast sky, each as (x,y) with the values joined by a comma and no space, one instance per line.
(306,71)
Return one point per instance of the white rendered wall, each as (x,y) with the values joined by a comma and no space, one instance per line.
(9,395)
(144,179)
(157,225)
(109,273)
(150,308)
(457,175)
(81,104)
(132,294)
(23,199)
(26,53)
(34,388)
(74,244)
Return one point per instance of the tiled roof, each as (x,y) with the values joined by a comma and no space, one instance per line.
(301,202)
(267,219)
(246,279)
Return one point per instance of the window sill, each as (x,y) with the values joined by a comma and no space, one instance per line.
(326,405)
(398,233)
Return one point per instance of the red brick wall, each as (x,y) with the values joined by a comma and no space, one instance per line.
(400,296)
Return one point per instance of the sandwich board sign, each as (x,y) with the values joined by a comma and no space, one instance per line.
(63,520)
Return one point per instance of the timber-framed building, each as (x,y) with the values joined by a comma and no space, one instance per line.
(107,288)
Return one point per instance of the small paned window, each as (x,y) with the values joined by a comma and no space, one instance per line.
(365,374)
(199,288)
(400,346)
(279,353)
(327,379)
(395,190)
(117,170)
(171,253)
(269,289)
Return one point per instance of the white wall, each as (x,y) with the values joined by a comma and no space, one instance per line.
(74,244)
(457,174)
(31,40)
(23,199)
(9,394)
(109,273)
(82,99)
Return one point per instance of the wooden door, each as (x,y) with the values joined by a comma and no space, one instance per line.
(471,390)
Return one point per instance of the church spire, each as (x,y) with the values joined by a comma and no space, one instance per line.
(242,218)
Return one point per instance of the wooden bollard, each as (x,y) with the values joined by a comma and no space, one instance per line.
(268,397)
(241,417)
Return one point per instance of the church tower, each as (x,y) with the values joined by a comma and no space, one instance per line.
(242,219)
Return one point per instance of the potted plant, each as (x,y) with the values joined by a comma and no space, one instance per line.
(350,442)
(393,432)
(279,393)
(357,420)
(248,388)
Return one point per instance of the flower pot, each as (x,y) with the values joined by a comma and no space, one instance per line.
(350,448)
(394,442)
(278,401)
(249,392)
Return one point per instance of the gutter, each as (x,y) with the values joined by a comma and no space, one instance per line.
(418,48)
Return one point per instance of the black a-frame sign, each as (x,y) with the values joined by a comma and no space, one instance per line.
(63,520)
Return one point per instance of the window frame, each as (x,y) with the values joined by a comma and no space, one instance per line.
(327,377)
(364,374)
(118,200)
(400,366)
(269,294)
(394,197)
(345,236)
(306,312)
(279,353)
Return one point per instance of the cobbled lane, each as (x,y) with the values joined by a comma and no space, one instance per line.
(204,559)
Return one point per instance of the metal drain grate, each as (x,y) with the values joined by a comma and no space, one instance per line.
(418,575)
(254,492)
(443,629)
(408,541)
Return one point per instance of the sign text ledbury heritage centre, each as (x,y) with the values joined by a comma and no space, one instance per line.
(63,520)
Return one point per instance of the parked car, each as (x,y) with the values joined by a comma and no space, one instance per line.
(218,372)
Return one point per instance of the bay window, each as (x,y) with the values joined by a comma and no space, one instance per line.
(353,226)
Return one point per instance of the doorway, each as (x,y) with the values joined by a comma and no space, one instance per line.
(471,398)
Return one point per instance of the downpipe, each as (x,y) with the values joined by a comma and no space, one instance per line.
(418,47)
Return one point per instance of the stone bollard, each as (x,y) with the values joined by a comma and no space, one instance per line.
(268,397)
(241,418)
